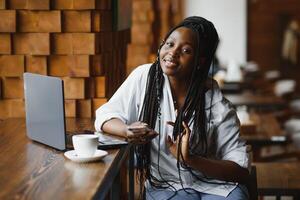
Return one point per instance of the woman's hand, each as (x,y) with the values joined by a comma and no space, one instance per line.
(174,146)
(140,133)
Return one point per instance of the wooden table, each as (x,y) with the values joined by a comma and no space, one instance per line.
(267,130)
(232,87)
(278,179)
(29,170)
(262,102)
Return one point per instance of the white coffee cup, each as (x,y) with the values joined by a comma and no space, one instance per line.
(85,145)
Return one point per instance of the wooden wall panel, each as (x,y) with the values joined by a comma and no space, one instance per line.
(102,20)
(96,103)
(11,65)
(75,43)
(77,21)
(70,108)
(36,64)
(2,4)
(61,43)
(84,108)
(142,34)
(29,4)
(5,43)
(74,88)
(13,88)
(266,21)
(70,39)
(31,43)
(74,4)
(39,21)
(8,21)
(70,65)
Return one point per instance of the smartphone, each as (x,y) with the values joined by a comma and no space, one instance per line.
(136,127)
(109,142)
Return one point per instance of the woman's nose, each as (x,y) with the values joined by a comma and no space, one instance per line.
(174,52)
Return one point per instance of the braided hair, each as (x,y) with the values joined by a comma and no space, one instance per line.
(194,105)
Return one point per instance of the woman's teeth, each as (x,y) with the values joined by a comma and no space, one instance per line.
(169,62)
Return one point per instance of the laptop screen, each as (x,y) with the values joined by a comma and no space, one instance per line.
(44,105)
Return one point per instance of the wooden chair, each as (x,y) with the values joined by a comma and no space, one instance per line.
(252,184)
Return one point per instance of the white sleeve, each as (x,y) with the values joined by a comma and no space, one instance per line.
(229,144)
(125,103)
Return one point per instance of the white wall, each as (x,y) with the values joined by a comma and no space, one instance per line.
(229,18)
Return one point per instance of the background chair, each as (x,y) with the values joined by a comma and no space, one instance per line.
(252,184)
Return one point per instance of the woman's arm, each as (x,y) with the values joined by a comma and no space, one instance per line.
(116,127)
(225,170)
(220,169)
(124,104)
(137,132)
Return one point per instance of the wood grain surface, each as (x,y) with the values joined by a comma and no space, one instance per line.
(29,170)
(278,178)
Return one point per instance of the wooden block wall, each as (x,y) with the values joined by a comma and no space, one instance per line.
(2,4)
(70,39)
(5,45)
(139,51)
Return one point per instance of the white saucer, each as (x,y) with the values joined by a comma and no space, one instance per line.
(99,154)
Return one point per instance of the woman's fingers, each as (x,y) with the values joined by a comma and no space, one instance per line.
(172,146)
(186,131)
(169,141)
(152,134)
(140,133)
(137,133)
(185,141)
(186,127)
(137,129)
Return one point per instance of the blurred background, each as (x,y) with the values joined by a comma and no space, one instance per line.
(94,44)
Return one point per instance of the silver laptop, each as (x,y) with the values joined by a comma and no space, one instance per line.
(44,105)
(45,113)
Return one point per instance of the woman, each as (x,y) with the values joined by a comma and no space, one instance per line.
(186,133)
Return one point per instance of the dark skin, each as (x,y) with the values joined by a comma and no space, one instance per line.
(177,58)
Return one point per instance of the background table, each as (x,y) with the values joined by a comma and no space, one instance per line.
(262,102)
(278,178)
(267,130)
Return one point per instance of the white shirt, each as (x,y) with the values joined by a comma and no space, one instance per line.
(224,142)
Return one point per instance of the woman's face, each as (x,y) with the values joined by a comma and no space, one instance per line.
(177,55)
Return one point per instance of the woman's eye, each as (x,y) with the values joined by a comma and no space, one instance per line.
(187,51)
(169,44)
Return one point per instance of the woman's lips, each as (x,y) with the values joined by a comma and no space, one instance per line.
(169,63)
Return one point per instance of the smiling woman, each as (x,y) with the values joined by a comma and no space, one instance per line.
(178,53)
(177,58)
(191,150)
